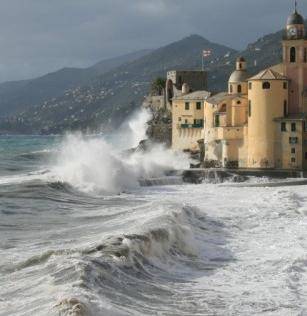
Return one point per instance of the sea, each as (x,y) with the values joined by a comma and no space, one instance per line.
(79,235)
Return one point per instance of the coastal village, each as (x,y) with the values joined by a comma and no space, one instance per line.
(260,122)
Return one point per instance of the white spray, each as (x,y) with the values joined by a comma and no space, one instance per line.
(133,130)
(93,164)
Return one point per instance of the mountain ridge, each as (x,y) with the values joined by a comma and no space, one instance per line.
(104,101)
(17,95)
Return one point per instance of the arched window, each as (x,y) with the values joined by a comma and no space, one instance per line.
(249,108)
(230,88)
(266,85)
(292,55)
(250,85)
(240,66)
(239,88)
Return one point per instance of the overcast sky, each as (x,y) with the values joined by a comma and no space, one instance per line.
(39,36)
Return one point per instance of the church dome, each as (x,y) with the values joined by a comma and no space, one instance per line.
(295,18)
(240,59)
(238,76)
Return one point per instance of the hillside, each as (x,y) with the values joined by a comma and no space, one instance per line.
(109,98)
(106,100)
(16,96)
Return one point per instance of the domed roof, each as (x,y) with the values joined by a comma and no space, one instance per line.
(240,59)
(238,76)
(295,18)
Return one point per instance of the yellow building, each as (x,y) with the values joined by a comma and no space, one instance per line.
(188,119)
(260,122)
(225,116)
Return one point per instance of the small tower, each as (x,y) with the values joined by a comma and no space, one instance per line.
(267,98)
(295,60)
(237,83)
(241,64)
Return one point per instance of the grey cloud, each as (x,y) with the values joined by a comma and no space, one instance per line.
(38,36)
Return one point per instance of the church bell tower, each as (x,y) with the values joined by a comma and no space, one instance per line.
(295,61)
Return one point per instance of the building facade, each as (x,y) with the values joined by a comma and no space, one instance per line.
(260,122)
(188,120)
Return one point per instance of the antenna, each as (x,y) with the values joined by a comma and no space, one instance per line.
(295,6)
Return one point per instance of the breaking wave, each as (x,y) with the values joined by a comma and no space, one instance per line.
(98,165)
(101,164)
(127,270)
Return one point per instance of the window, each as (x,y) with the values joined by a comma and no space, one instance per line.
(285,85)
(187,106)
(230,88)
(250,86)
(306,155)
(240,66)
(238,102)
(292,55)
(198,105)
(266,85)
(292,150)
(249,108)
(293,159)
(217,121)
(239,88)
(285,108)
(304,126)
(179,119)
(293,127)
(293,140)
(186,121)
(283,127)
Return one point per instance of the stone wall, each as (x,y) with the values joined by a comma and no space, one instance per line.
(160,127)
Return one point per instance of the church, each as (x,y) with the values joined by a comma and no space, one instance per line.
(260,122)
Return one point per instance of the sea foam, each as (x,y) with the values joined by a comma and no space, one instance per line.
(95,164)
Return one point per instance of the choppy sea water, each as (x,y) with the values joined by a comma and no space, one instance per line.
(78,236)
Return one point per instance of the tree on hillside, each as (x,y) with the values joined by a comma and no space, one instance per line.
(158,86)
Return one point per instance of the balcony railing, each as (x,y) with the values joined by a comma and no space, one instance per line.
(199,125)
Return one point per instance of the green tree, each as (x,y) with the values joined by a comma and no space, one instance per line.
(158,86)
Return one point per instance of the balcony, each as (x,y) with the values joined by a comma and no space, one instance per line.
(199,125)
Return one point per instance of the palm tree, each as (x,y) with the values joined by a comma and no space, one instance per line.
(158,86)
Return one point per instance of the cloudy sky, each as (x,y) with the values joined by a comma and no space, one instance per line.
(39,36)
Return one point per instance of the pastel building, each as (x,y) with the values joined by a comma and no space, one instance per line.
(260,122)
(188,119)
